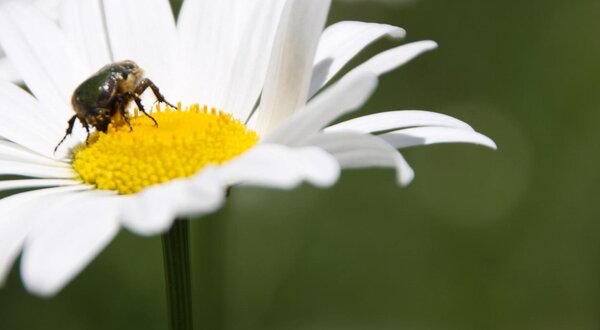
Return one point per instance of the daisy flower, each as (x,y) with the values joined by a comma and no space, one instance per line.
(258,88)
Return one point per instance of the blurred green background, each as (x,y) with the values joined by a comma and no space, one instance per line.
(480,240)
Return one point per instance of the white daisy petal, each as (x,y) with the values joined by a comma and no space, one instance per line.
(83,24)
(319,168)
(355,150)
(23,121)
(342,41)
(385,121)
(290,69)
(206,43)
(57,251)
(32,170)
(252,122)
(255,41)
(153,210)
(51,70)
(17,221)
(417,136)
(277,166)
(7,71)
(393,58)
(347,95)
(29,108)
(49,7)
(213,34)
(35,183)
(143,32)
(14,152)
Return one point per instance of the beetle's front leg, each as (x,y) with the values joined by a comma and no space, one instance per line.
(140,106)
(121,104)
(70,124)
(87,130)
(145,83)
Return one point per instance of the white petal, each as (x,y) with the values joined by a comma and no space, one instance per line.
(23,121)
(342,41)
(391,59)
(345,96)
(225,48)
(37,171)
(14,152)
(278,166)
(205,49)
(49,7)
(51,70)
(145,33)
(78,227)
(153,210)
(18,219)
(355,150)
(255,41)
(319,167)
(385,121)
(7,71)
(35,183)
(252,122)
(83,24)
(416,136)
(290,69)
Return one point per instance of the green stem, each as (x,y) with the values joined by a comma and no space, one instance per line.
(176,255)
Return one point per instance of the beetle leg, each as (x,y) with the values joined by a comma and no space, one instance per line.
(121,105)
(87,129)
(138,102)
(124,115)
(145,83)
(71,123)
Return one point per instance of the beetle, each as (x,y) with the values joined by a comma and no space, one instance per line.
(105,95)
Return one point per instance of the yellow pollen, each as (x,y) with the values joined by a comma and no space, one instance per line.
(184,141)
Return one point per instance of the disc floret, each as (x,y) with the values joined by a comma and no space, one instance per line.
(186,140)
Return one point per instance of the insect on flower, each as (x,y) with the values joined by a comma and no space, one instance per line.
(145,179)
(104,97)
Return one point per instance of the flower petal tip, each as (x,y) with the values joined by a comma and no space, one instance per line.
(430,44)
(41,290)
(492,145)
(483,140)
(405,177)
(40,284)
(324,170)
(397,33)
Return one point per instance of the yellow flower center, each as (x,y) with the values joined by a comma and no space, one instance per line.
(128,160)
